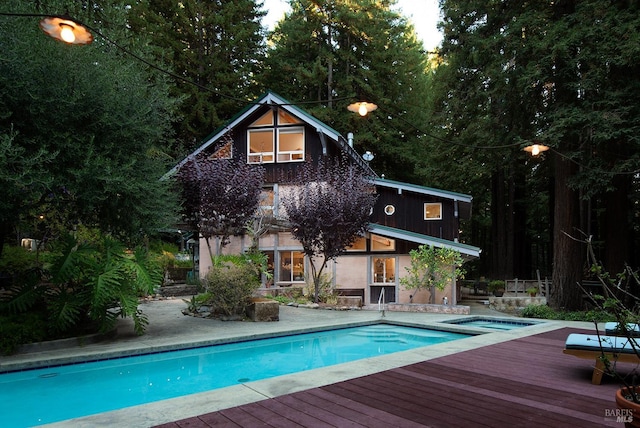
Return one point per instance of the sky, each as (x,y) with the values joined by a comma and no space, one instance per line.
(423,14)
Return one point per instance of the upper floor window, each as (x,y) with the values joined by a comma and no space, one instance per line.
(276,138)
(261,146)
(433,211)
(360,244)
(381,243)
(290,144)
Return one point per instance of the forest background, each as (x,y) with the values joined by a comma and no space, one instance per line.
(86,131)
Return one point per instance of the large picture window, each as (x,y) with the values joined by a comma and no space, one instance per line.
(291,266)
(261,144)
(290,144)
(282,141)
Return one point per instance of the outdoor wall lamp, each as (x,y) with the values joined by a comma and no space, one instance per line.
(362,107)
(536,149)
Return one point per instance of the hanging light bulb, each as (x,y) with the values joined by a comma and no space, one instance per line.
(362,107)
(536,149)
(66,29)
(66,33)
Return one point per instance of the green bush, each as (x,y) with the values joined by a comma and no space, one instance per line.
(539,311)
(83,288)
(18,330)
(326,290)
(15,260)
(545,312)
(230,284)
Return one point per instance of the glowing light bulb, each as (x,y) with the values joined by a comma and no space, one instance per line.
(362,110)
(535,151)
(66,33)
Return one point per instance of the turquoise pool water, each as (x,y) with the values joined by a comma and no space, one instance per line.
(40,396)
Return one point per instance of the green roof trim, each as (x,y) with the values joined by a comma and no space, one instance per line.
(391,232)
(422,189)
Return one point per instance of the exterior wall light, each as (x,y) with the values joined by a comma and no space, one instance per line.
(66,29)
(362,107)
(536,149)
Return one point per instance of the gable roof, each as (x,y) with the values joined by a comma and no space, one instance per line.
(467,251)
(272,99)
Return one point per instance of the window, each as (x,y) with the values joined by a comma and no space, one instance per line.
(380,243)
(290,144)
(285,118)
(265,120)
(271,142)
(433,211)
(384,270)
(267,202)
(389,209)
(359,245)
(291,266)
(224,152)
(268,279)
(261,146)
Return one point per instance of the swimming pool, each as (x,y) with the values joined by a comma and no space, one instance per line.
(40,396)
(492,323)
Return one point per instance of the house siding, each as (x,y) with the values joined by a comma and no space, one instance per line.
(352,271)
(409,214)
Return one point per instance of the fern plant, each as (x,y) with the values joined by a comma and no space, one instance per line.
(99,283)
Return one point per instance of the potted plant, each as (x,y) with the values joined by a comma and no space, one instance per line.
(533,291)
(496,287)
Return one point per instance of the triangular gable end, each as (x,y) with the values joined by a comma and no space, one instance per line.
(273,99)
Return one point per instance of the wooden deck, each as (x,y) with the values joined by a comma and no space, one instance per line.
(526,382)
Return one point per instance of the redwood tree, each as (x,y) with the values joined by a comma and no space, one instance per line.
(328,207)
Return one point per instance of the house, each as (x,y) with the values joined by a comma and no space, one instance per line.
(280,136)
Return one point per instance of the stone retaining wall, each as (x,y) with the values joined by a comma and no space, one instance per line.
(507,303)
(419,307)
(178,290)
(349,301)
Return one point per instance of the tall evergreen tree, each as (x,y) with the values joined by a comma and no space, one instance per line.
(521,72)
(326,54)
(95,123)
(216,47)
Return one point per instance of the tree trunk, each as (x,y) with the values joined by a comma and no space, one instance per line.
(569,253)
(615,225)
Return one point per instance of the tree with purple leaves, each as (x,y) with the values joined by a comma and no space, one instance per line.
(220,196)
(328,208)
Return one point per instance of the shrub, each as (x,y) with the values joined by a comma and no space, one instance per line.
(324,290)
(539,311)
(16,259)
(545,312)
(496,285)
(84,285)
(17,330)
(230,285)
